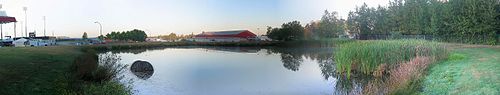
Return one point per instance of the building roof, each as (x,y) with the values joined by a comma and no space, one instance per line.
(231,33)
(6,19)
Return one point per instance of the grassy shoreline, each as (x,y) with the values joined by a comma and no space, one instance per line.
(46,71)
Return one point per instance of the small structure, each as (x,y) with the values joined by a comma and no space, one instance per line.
(264,38)
(21,42)
(93,41)
(35,41)
(154,39)
(3,20)
(226,36)
(70,41)
(79,41)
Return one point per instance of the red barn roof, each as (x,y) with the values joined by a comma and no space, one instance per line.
(233,33)
(6,19)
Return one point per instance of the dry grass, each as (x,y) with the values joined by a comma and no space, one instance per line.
(400,78)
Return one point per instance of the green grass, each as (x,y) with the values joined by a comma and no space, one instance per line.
(32,71)
(469,71)
(46,71)
(366,56)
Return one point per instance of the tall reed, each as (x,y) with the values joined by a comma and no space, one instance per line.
(366,56)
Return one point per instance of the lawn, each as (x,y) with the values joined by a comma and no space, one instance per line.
(35,70)
(468,71)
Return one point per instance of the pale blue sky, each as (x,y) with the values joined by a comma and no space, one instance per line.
(73,17)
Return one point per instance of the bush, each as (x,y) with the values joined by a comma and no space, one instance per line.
(396,35)
(91,67)
(85,65)
(106,88)
(109,67)
(98,75)
(367,56)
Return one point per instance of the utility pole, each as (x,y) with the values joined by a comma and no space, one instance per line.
(15,28)
(44,25)
(1,32)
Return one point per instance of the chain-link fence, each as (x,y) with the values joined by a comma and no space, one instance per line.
(469,39)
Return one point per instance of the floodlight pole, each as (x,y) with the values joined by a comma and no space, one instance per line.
(44,27)
(25,21)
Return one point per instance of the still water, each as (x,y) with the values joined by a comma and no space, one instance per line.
(236,71)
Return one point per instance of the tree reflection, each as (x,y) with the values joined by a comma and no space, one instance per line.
(292,58)
(291,62)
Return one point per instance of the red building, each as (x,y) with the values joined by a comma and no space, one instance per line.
(226,36)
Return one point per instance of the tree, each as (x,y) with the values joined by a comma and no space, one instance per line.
(133,35)
(85,37)
(171,36)
(474,21)
(288,32)
(311,30)
(330,26)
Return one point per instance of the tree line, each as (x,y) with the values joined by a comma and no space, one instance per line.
(132,35)
(173,36)
(465,21)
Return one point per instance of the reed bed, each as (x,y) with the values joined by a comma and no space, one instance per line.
(366,57)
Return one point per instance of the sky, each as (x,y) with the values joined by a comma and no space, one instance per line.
(160,17)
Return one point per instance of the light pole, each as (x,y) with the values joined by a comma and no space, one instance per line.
(44,26)
(100,28)
(25,21)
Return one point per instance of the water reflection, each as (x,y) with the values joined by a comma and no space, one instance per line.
(142,69)
(291,58)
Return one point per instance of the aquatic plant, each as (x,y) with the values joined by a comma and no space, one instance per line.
(366,56)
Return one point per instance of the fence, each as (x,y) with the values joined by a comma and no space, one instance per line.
(471,39)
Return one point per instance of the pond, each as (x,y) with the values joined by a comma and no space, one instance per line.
(237,71)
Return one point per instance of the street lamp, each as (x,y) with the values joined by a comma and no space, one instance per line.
(100,27)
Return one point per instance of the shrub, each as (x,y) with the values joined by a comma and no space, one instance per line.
(91,67)
(367,56)
(106,88)
(85,64)
(109,68)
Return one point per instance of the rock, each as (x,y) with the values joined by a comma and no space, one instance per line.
(142,69)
